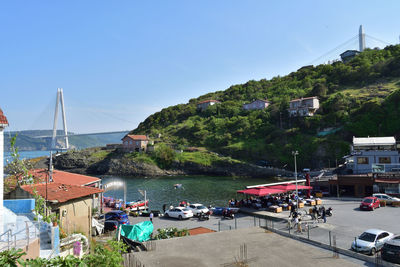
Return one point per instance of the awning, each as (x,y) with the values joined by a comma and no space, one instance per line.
(388,181)
(290,187)
(260,191)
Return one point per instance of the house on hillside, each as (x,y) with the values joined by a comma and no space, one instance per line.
(136,143)
(72,204)
(256,104)
(303,107)
(203,105)
(348,55)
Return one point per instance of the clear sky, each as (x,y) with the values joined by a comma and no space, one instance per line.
(120,61)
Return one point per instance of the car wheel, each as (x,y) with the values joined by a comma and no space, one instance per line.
(180,217)
(166,215)
(372,252)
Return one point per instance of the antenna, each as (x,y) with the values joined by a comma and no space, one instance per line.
(59,99)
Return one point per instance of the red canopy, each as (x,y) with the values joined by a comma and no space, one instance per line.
(260,191)
(289,187)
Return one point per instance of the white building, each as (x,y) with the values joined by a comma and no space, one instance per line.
(373,154)
(3,124)
(256,104)
(203,105)
(303,107)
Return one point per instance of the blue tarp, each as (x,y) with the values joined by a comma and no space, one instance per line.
(139,232)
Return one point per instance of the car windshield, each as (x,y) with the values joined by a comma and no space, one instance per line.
(367,237)
(201,207)
(185,210)
(367,200)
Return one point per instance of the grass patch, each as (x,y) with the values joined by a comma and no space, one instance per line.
(101,154)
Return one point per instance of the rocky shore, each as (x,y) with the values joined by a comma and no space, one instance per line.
(115,163)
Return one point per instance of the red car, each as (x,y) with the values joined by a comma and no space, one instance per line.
(369,203)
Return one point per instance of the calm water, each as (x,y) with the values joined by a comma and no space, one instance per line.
(26,155)
(195,189)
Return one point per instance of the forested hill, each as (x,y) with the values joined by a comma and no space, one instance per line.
(357,98)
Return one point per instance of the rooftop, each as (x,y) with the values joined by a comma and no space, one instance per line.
(64,177)
(61,192)
(3,118)
(137,137)
(207,101)
(376,141)
(303,98)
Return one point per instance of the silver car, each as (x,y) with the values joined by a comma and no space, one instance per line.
(371,241)
(383,197)
(197,209)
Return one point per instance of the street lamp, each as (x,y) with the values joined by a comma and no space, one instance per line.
(295,153)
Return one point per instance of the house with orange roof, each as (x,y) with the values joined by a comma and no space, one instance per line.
(203,105)
(71,204)
(303,107)
(136,143)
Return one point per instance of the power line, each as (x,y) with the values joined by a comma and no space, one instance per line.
(376,39)
(352,39)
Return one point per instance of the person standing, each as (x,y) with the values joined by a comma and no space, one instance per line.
(151,217)
(324,214)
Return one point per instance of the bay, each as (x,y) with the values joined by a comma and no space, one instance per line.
(208,190)
(26,155)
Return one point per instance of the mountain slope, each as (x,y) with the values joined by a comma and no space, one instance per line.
(358,98)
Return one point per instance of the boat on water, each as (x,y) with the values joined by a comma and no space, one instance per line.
(140,204)
(176,186)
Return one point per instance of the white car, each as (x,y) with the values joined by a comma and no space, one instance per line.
(179,212)
(197,209)
(371,241)
(383,197)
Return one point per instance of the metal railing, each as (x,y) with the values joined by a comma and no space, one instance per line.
(21,238)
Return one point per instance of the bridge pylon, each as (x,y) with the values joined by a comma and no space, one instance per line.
(59,101)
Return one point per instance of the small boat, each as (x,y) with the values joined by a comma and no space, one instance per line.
(177,186)
(141,204)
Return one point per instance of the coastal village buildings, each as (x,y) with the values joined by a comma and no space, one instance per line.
(203,105)
(373,166)
(256,104)
(303,107)
(136,143)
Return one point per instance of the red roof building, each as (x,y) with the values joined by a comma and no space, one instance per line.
(66,177)
(3,119)
(203,105)
(136,143)
(58,192)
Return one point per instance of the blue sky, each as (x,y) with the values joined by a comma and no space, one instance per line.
(120,61)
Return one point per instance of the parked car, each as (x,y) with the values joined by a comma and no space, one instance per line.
(116,215)
(197,209)
(110,225)
(369,203)
(388,199)
(391,250)
(371,241)
(179,212)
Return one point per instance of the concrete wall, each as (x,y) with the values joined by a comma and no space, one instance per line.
(76,216)
(20,205)
(32,250)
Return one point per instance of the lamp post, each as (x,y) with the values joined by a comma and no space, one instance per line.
(295,153)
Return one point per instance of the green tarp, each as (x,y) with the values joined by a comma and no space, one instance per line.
(138,232)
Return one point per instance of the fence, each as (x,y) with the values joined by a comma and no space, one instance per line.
(20,238)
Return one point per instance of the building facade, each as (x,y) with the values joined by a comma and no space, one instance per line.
(303,107)
(373,155)
(203,105)
(257,104)
(136,143)
(3,124)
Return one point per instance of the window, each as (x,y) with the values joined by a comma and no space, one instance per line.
(362,160)
(384,160)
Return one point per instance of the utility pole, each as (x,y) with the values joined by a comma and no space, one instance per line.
(295,153)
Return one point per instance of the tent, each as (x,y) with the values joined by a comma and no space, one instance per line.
(260,191)
(289,187)
(138,232)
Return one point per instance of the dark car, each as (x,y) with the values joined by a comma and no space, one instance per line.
(117,215)
(369,203)
(110,225)
(391,250)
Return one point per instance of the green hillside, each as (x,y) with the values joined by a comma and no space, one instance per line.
(357,98)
